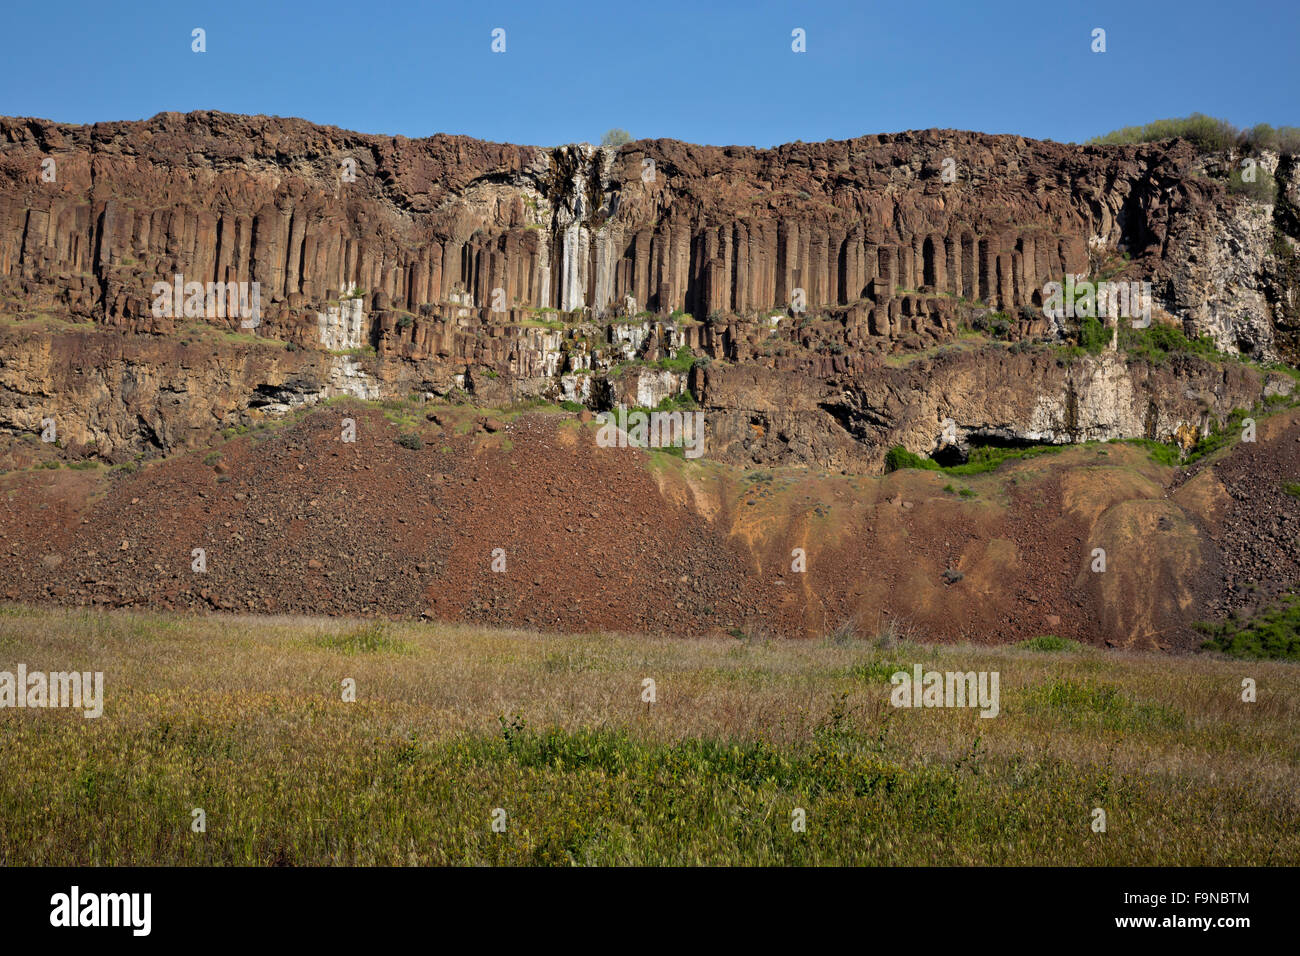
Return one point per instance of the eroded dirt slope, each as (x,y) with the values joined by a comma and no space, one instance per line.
(293,519)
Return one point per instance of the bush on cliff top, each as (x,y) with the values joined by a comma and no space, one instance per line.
(1207,133)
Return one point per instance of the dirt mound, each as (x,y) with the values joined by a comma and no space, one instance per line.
(1254,520)
(294,519)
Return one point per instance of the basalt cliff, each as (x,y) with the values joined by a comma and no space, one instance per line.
(821,302)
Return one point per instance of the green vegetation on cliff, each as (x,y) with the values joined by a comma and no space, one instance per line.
(1207,133)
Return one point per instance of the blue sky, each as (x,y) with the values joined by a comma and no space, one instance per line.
(705,72)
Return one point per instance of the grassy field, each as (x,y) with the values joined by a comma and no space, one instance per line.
(245,719)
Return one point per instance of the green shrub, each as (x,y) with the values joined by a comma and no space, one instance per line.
(410,440)
(1219,436)
(1050,643)
(1284,139)
(1157,342)
(996,324)
(1263,189)
(898,458)
(682,401)
(1205,132)
(1093,335)
(1272,634)
(681,362)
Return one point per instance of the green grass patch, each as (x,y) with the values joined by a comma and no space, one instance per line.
(1157,342)
(1273,634)
(877,671)
(1093,336)
(292,772)
(1220,436)
(681,362)
(372,638)
(899,458)
(1160,452)
(1099,706)
(553,325)
(1050,643)
(982,459)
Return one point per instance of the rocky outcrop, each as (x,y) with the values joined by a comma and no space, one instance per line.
(514,271)
(891,223)
(959,400)
(116,396)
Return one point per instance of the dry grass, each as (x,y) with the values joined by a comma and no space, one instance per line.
(244,717)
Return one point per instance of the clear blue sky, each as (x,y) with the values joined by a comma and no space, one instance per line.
(701,71)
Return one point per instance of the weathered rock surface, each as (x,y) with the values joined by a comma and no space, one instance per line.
(513,271)
(960,399)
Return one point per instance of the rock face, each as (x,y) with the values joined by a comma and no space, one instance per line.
(120,395)
(958,400)
(513,271)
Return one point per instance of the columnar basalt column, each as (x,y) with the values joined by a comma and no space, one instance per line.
(952,284)
(886,273)
(740,290)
